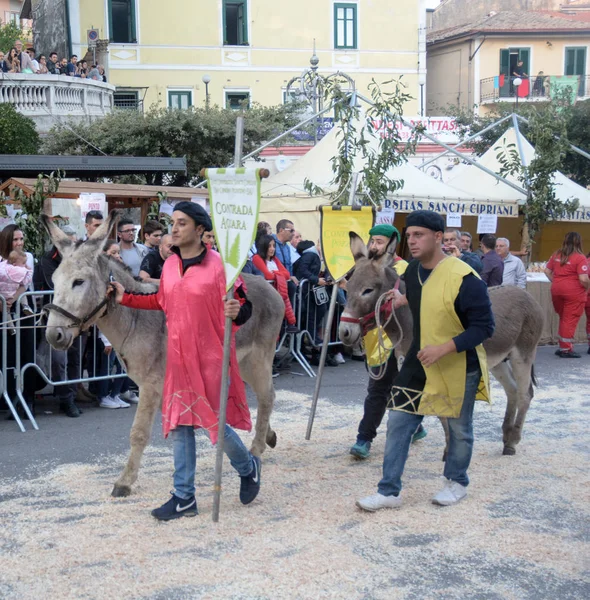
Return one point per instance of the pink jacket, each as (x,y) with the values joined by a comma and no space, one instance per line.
(12,277)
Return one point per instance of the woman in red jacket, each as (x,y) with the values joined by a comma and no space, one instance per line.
(567,269)
(274,271)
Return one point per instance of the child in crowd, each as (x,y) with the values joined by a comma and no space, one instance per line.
(115,393)
(17,280)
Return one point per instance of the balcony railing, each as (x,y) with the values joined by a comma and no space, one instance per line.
(537,88)
(50,99)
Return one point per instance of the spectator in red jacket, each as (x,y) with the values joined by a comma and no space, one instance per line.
(568,271)
(273,270)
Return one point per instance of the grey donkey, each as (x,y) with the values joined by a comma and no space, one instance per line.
(510,351)
(139,336)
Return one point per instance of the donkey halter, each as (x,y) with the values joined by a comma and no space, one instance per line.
(368,322)
(80,321)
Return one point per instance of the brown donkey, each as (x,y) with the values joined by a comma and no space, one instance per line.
(511,350)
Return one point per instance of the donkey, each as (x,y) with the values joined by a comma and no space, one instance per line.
(510,351)
(139,336)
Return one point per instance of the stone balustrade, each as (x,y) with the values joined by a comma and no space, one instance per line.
(52,99)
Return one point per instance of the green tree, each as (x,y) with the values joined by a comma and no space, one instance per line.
(9,33)
(371,139)
(204,136)
(577,127)
(547,132)
(18,134)
(36,238)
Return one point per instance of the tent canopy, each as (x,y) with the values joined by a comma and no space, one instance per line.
(284,194)
(468,177)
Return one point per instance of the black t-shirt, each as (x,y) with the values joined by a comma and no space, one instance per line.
(152,264)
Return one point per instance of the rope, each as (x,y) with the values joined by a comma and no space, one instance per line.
(383,349)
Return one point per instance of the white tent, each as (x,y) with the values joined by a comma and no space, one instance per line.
(284,194)
(469,177)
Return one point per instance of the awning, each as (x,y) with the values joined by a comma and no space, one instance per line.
(18,165)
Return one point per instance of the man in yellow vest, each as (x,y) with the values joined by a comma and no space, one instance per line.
(445,370)
(384,238)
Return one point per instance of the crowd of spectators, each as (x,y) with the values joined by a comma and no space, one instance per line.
(281,256)
(19,60)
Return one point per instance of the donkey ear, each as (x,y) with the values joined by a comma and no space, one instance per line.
(60,240)
(98,238)
(387,257)
(357,246)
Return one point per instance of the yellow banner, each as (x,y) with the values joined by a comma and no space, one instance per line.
(335,225)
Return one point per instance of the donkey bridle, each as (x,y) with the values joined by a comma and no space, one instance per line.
(368,322)
(77,321)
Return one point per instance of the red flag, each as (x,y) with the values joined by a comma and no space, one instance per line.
(522,91)
(502,79)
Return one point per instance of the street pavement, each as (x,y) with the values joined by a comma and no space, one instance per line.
(100,432)
(523,532)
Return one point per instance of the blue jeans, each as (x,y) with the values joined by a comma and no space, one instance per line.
(185,458)
(119,385)
(402,425)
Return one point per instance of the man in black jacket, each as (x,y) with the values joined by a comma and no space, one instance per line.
(64,365)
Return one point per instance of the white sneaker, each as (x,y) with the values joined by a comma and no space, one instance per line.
(451,493)
(108,402)
(339,358)
(130,396)
(120,402)
(378,501)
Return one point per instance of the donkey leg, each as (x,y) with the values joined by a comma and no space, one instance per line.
(504,374)
(141,431)
(259,378)
(523,374)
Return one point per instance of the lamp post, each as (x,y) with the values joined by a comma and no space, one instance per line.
(206,80)
(309,87)
(516,82)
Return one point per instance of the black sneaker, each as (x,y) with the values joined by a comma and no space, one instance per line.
(70,409)
(568,354)
(250,485)
(175,508)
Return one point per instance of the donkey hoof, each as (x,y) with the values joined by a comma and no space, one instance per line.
(121,491)
(271,440)
(444,458)
(509,451)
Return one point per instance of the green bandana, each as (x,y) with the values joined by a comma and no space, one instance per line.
(385,230)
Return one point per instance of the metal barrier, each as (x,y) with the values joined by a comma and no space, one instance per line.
(46,370)
(311,318)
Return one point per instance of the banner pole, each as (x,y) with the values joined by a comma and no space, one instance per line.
(318,381)
(226,358)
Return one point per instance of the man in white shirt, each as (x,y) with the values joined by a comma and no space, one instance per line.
(514,271)
(34,64)
(293,246)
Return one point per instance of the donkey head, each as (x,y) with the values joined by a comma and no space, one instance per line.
(371,278)
(80,282)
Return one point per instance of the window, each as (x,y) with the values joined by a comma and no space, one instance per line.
(127,100)
(293,96)
(575,64)
(122,26)
(12,17)
(237,100)
(235,23)
(509,65)
(180,99)
(345,26)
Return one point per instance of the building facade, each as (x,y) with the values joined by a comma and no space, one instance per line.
(248,50)
(531,56)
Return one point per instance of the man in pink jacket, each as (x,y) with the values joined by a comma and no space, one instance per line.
(192,295)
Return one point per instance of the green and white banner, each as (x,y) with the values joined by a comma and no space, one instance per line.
(234,199)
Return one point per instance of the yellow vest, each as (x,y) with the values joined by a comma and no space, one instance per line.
(375,354)
(445,380)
